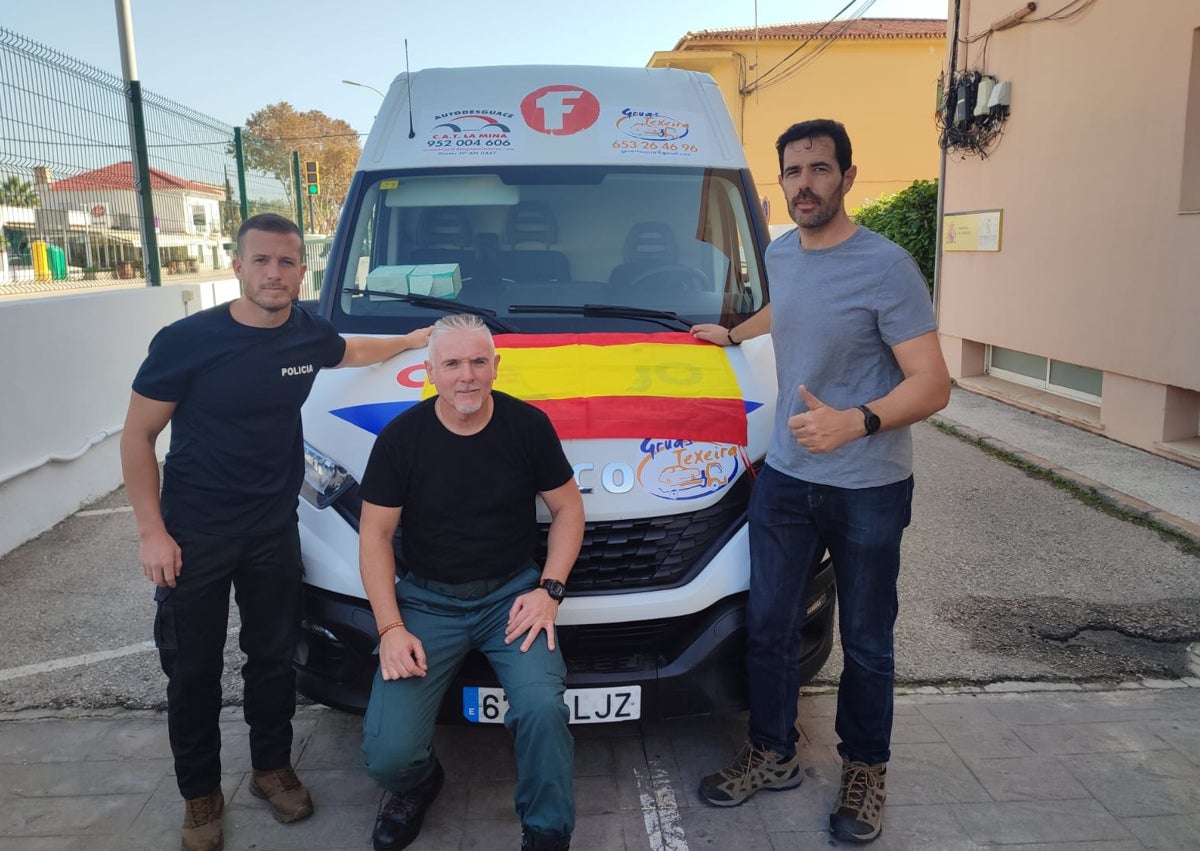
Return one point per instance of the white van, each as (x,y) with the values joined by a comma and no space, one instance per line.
(591,216)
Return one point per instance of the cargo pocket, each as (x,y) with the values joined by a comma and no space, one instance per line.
(165,633)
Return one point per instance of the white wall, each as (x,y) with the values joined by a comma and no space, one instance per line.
(66,365)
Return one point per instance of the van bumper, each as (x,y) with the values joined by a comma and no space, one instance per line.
(685,666)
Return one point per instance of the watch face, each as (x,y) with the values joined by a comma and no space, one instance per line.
(554,588)
(870,420)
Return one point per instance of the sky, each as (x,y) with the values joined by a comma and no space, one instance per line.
(230,58)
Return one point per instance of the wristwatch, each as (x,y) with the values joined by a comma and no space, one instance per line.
(554,588)
(870,420)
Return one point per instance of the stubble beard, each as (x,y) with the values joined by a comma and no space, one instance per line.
(821,216)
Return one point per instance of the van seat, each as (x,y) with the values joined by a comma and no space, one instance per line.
(648,245)
(444,235)
(530,230)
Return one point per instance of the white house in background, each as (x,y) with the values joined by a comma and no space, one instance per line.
(96,212)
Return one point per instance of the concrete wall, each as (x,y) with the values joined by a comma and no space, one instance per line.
(1098,260)
(66,364)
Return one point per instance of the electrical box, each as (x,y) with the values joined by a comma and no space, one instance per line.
(1001,94)
(960,106)
(982,99)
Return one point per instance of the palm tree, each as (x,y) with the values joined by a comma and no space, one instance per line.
(16,192)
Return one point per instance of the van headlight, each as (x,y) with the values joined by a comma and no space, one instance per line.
(324,479)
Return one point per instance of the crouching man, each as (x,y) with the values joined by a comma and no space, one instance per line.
(458,474)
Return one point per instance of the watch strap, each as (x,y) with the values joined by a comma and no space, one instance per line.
(870,420)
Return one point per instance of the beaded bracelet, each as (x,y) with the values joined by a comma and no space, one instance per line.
(390,626)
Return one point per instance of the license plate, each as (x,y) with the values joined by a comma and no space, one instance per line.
(587,705)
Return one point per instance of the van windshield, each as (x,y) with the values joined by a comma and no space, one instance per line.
(547,249)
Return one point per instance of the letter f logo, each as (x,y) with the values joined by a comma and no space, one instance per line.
(554,106)
(560,110)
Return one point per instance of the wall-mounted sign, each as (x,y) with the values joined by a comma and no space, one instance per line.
(976,231)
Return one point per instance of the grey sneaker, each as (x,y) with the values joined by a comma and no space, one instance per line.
(753,769)
(858,816)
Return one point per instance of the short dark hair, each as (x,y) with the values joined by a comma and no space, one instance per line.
(271,223)
(827,127)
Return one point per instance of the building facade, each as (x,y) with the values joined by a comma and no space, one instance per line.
(878,76)
(1069,277)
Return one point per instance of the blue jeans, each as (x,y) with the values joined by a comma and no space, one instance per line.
(398,727)
(792,524)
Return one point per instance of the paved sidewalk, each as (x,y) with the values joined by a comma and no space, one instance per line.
(1075,769)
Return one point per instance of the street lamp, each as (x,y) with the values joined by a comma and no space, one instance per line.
(364,86)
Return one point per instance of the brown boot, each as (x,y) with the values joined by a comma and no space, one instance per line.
(202,823)
(282,789)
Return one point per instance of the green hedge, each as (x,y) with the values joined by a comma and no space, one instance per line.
(909,219)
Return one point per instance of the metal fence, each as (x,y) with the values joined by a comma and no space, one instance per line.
(69,210)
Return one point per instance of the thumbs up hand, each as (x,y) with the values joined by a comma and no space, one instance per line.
(822,428)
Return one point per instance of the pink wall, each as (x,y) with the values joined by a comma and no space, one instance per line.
(1098,265)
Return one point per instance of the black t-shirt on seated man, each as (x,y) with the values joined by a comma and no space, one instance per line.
(468,509)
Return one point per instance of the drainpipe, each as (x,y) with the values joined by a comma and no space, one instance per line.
(951,67)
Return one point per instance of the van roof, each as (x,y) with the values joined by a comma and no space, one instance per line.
(552,115)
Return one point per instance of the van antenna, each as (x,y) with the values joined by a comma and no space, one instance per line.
(407,73)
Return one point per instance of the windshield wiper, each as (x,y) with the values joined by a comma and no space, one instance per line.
(665,318)
(442,304)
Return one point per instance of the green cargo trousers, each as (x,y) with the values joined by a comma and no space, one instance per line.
(451,620)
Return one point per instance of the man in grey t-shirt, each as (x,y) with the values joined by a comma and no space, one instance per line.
(858,361)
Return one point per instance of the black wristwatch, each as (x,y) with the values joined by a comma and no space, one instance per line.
(554,588)
(869,420)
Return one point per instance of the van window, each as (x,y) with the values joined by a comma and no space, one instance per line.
(535,245)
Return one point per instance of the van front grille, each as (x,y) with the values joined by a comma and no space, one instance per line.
(653,552)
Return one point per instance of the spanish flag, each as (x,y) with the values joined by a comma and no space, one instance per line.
(667,385)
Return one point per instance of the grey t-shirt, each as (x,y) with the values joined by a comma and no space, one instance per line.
(835,314)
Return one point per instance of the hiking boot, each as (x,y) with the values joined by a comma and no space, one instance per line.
(534,841)
(401,815)
(282,789)
(753,769)
(858,816)
(202,823)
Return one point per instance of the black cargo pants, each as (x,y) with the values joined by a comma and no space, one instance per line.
(190,628)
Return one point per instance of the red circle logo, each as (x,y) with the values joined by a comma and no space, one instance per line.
(560,110)
(407,377)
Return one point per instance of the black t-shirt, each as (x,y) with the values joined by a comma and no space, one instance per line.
(468,502)
(237,453)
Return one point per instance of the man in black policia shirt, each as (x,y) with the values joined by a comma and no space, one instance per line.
(460,474)
(231,380)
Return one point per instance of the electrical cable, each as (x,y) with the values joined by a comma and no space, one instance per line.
(978,135)
(765,80)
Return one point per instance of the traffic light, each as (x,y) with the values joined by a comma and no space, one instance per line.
(312,177)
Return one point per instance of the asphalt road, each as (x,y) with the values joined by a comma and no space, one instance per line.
(1005,577)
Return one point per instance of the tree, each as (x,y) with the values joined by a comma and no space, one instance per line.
(275,131)
(909,219)
(16,192)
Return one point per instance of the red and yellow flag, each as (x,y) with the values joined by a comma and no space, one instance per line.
(667,385)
